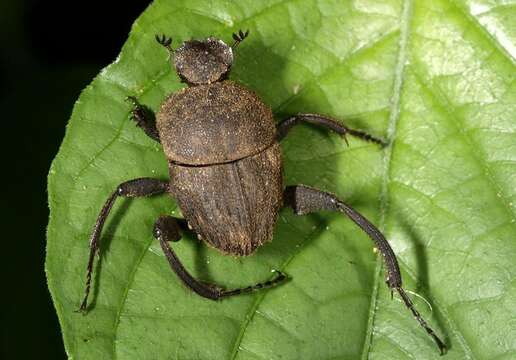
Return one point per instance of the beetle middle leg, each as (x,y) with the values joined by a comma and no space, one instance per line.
(144,118)
(167,229)
(133,188)
(304,200)
(284,127)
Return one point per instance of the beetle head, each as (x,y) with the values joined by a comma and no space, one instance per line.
(203,61)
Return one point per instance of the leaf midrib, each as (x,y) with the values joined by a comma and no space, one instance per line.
(399,73)
(478,25)
(259,299)
(391,137)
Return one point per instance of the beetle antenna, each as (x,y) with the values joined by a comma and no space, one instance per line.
(239,37)
(165,42)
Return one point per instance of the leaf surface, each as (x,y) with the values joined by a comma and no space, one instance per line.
(437,79)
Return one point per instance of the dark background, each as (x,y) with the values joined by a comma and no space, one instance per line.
(49,51)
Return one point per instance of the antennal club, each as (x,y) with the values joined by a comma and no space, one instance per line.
(239,37)
(165,42)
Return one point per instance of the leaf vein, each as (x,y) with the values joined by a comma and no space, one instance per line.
(477,24)
(391,137)
(253,309)
(126,293)
(445,105)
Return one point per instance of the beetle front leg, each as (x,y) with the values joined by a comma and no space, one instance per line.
(133,188)
(304,200)
(144,118)
(167,229)
(284,127)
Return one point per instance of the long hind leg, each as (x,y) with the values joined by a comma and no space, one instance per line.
(167,229)
(304,200)
(133,188)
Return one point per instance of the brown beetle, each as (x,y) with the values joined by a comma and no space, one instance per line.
(225,167)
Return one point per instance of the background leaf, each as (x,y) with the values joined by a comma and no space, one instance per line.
(437,79)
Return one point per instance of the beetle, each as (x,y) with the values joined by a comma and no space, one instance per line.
(224,161)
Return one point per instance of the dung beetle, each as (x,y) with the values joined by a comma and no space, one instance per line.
(224,160)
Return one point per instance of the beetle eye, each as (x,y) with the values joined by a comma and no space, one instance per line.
(203,62)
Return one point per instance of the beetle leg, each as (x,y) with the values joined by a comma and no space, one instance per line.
(133,188)
(167,229)
(304,200)
(284,127)
(144,118)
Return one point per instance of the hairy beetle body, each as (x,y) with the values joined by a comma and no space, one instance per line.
(214,123)
(232,206)
(224,164)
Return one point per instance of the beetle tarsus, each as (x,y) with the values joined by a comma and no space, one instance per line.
(280,277)
(410,305)
(324,121)
(366,136)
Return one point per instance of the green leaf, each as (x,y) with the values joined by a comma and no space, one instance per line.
(435,78)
